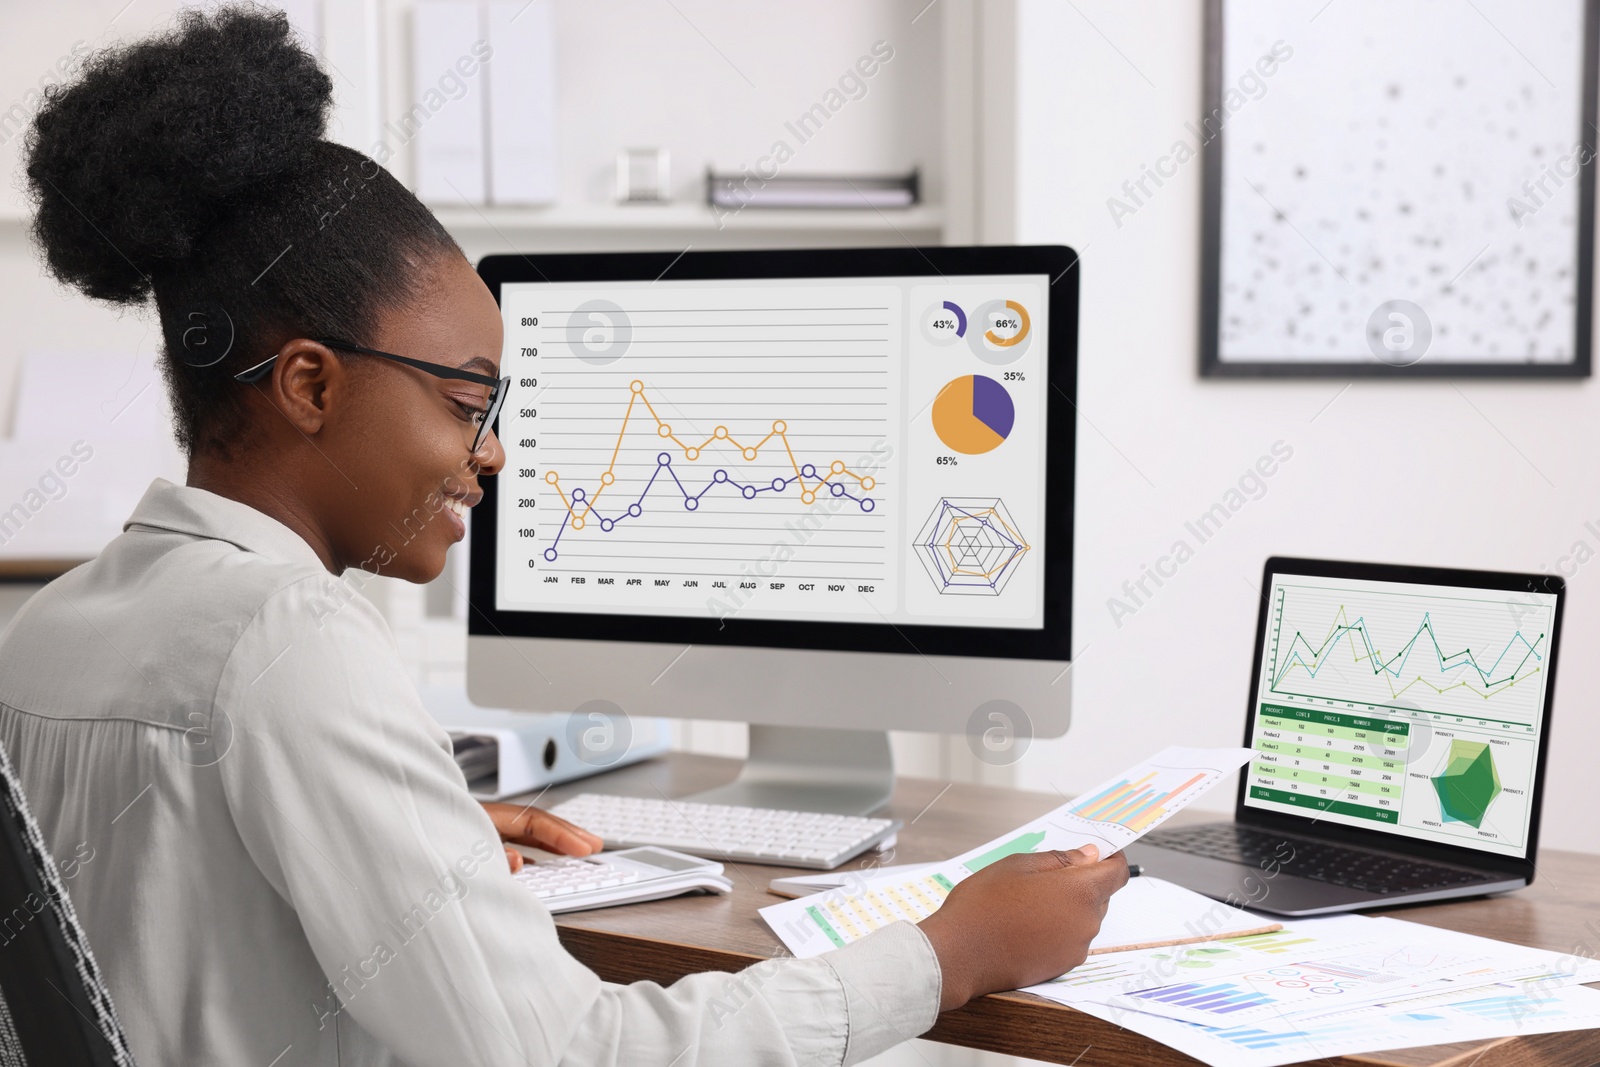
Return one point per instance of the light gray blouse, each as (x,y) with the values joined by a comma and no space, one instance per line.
(276,859)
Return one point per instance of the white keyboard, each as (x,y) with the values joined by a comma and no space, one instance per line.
(566,883)
(729,832)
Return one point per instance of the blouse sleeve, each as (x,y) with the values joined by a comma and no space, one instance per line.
(347,798)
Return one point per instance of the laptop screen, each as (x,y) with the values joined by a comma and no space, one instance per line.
(1411,709)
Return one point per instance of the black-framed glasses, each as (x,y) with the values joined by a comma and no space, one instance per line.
(498,387)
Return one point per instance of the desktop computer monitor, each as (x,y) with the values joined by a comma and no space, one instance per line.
(825,492)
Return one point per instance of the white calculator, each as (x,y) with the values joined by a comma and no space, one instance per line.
(567,883)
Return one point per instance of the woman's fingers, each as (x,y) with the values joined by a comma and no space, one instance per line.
(527,825)
(555,834)
(1082,856)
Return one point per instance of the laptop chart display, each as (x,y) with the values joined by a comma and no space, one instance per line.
(1405,708)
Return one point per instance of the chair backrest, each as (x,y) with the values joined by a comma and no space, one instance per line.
(54,1008)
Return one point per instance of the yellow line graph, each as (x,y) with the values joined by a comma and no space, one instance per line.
(691,452)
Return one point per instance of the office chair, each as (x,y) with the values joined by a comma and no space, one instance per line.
(54,1008)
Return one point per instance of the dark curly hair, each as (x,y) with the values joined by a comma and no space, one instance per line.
(190,167)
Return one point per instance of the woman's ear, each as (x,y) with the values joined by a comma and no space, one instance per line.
(306,384)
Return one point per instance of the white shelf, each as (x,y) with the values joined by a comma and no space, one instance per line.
(686,218)
(660,217)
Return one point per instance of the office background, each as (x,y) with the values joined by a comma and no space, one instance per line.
(1024,117)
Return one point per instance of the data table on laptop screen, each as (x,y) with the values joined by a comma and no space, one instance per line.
(828,449)
(1414,709)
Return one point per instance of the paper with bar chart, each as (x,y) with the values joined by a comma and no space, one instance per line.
(1325,987)
(1314,968)
(1412,709)
(1333,986)
(1103,977)
(1110,816)
(779,449)
(1358,975)
(1484,1013)
(1116,813)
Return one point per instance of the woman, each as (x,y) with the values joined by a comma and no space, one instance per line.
(285,865)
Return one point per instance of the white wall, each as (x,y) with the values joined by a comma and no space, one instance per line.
(1488,475)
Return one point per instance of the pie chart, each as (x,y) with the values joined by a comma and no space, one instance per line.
(973,414)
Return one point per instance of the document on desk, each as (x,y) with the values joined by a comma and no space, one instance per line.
(1386,968)
(1107,976)
(1475,1015)
(1395,962)
(1111,816)
(1333,986)
(1364,960)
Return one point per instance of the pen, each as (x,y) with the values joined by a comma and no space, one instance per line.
(1134,870)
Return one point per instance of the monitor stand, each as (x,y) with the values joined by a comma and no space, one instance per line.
(803,768)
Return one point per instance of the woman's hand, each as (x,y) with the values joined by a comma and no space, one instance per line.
(527,825)
(1021,920)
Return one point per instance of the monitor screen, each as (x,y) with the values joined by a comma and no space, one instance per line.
(1412,709)
(866,450)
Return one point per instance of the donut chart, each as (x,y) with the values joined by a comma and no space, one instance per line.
(1000,332)
(973,414)
(944,323)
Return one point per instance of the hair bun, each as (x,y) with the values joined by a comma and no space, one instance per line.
(157,141)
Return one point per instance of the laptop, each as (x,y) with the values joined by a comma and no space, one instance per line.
(1399,718)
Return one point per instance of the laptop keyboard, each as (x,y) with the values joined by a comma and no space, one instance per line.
(1353,868)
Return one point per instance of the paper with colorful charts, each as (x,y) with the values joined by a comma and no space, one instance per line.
(1110,816)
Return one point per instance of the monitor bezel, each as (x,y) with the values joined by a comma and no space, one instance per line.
(1051,642)
(1459,855)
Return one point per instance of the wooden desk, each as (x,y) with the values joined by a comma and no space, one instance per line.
(665,940)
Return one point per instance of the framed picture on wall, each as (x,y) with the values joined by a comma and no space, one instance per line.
(1398,189)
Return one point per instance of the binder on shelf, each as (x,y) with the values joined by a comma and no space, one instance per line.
(738,191)
(446,117)
(522,103)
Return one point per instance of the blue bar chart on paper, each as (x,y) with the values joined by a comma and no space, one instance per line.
(1221,998)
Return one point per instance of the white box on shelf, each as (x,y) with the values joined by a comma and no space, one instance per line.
(522,103)
(92,430)
(449,85)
